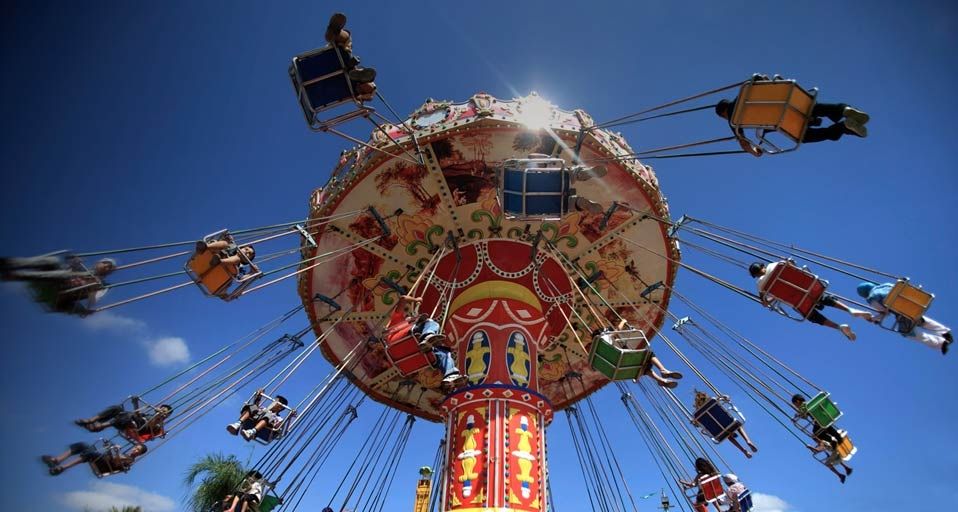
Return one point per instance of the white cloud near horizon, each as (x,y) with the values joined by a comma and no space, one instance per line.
(769,503)
(168,351)
(103,495)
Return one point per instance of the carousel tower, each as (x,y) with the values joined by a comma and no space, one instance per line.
(476,201)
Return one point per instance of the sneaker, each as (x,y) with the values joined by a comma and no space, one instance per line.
(842,478)
(671,384)
(82,423)
(587,173)
(848,471)
(847,331)
(452,377)
(856,115)
(432,339)
(855,128)
(944,348)
(55,470)
(948,337)
(49,461)
(672,375)
(233,428)
(584,205)
(336,24)
(249,434)
(362,75)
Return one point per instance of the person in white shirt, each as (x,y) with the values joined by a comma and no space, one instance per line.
(733,489)
(250,494)
(762,274)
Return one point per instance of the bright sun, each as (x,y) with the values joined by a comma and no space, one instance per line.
(535,112)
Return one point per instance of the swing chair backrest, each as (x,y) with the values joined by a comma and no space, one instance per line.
(610,357)
(403,350)
(745,501)
(796,287)
(321,83)
(269,503)
(908,302)
(711,488)
(823,409)
(221,280)
(779,108)
(103,474)
(110,451)
(841,453)
(717,420)
(846,449)
(534,188)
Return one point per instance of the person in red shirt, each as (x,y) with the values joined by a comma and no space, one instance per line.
(134,425)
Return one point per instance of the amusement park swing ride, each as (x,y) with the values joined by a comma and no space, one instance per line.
(544,249)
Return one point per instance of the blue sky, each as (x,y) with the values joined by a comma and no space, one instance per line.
(126,124)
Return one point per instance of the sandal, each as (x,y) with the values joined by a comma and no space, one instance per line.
(336,24)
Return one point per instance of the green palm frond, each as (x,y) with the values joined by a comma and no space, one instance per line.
(210,479)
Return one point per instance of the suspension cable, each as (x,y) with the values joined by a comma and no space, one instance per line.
(192,242)
(252,336)
(792,247)
(666,105)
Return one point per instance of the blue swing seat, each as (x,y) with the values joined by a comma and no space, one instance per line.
(717,420)
(320,80)
(534,188)
(745,501)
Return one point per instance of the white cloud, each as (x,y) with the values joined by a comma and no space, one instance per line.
(107,321)
(769,503)
(103,495)
(165,351)
(168,351)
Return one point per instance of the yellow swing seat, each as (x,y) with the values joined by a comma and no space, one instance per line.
(777,111)
(908,301)
(223,280)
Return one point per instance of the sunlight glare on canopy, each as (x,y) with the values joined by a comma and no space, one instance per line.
(535,112)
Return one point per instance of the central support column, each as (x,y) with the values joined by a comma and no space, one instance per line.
(506,305)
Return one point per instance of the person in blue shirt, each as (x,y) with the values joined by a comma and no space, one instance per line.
(927,331)
(427,333)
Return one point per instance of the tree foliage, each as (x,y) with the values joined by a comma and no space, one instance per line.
(210,479)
